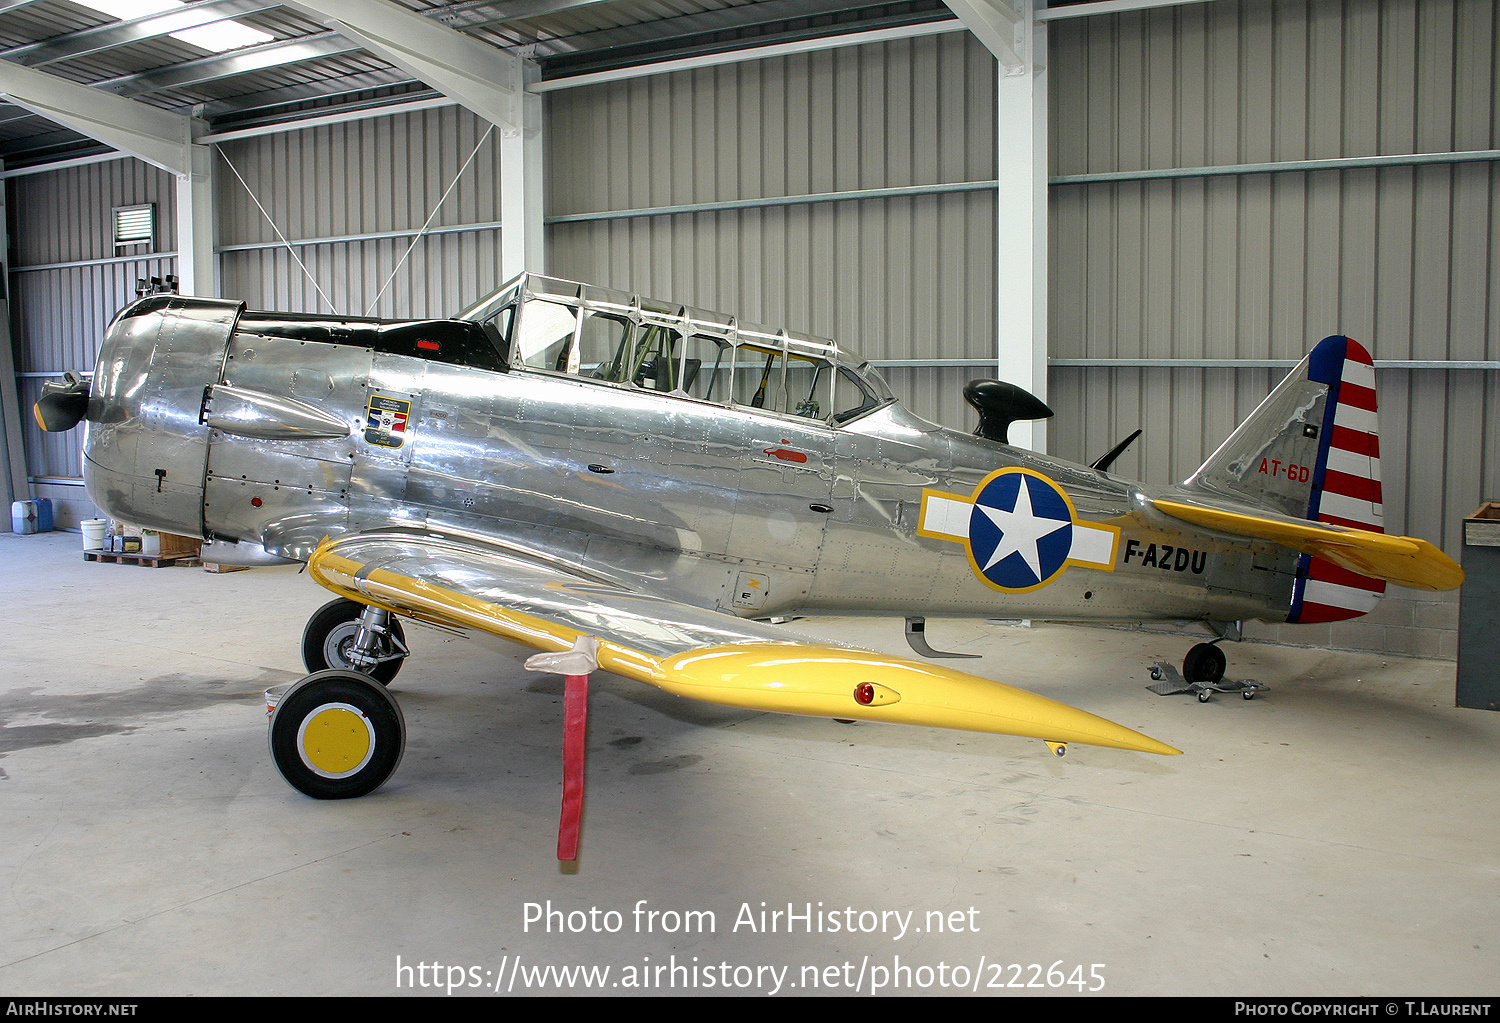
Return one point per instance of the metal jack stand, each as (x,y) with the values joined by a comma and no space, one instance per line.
(1171,683)
(1203,669)
(577,665)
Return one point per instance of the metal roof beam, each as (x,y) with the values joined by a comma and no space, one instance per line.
(10,113)
(483,78)
(324,89)
(388,108)
(159,137)
(998,26)
(227,65)
(41,144)
(56,165)
(749,53)
(1108,7)
(134,30)
(504,10)
(628,56)
(686,26)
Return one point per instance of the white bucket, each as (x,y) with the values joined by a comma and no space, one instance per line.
(93,533)
(273,697)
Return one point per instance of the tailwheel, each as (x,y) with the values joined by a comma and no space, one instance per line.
(1204,664)
(352,636)
(337,734)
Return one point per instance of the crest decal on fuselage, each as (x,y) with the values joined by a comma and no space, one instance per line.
(1020,530)
(386,421)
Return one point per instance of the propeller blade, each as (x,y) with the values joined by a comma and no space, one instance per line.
(62,406)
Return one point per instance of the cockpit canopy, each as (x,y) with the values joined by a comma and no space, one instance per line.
(554,326)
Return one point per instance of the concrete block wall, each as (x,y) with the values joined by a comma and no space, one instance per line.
(1408,623)
(1412,623)
(70,505)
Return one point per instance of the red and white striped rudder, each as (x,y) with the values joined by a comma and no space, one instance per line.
(1346,482)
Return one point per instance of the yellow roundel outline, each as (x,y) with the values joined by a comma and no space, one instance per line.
(334,736)
(1072,519)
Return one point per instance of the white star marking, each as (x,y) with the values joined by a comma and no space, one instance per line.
(1020,529)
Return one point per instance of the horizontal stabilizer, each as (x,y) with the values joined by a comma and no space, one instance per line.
(1405,560)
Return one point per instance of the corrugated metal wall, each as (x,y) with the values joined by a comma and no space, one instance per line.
(364,177)
(1261,266)
(59,312)
(893,278)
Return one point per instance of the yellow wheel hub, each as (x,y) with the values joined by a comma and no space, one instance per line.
(335,740)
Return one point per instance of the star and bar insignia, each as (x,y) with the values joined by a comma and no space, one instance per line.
(1020,529)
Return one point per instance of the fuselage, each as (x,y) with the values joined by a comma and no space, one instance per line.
(279,431)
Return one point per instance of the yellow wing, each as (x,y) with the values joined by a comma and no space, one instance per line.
(1406,560)
(686,650)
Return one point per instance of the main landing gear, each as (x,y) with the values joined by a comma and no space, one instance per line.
(337,733)
(1203,671)
(363,638)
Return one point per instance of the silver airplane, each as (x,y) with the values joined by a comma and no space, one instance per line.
(563,461)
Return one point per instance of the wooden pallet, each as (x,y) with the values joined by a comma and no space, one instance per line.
(149,560)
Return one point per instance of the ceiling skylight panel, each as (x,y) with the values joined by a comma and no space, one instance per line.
(217,37)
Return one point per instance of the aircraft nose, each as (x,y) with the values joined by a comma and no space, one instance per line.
(62,406)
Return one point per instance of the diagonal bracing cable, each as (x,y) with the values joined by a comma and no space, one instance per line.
(305,270)
(430,217)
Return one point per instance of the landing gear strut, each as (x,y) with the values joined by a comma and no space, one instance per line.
(358,637)
(337,733)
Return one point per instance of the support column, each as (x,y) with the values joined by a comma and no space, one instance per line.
(1011,31)
(1021,224)
(522,237)
(197,270)
(13,449)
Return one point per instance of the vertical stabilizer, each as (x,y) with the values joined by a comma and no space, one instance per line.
(1312,450)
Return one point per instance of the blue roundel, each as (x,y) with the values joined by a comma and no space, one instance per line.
(1020,530)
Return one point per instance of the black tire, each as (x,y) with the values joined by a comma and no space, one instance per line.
(317,741)
(1204,664)
(331,631)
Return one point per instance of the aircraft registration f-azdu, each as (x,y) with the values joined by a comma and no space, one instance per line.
(563,461)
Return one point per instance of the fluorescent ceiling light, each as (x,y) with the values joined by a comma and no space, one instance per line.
(215,38)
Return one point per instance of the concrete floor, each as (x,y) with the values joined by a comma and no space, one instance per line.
(1337,835)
